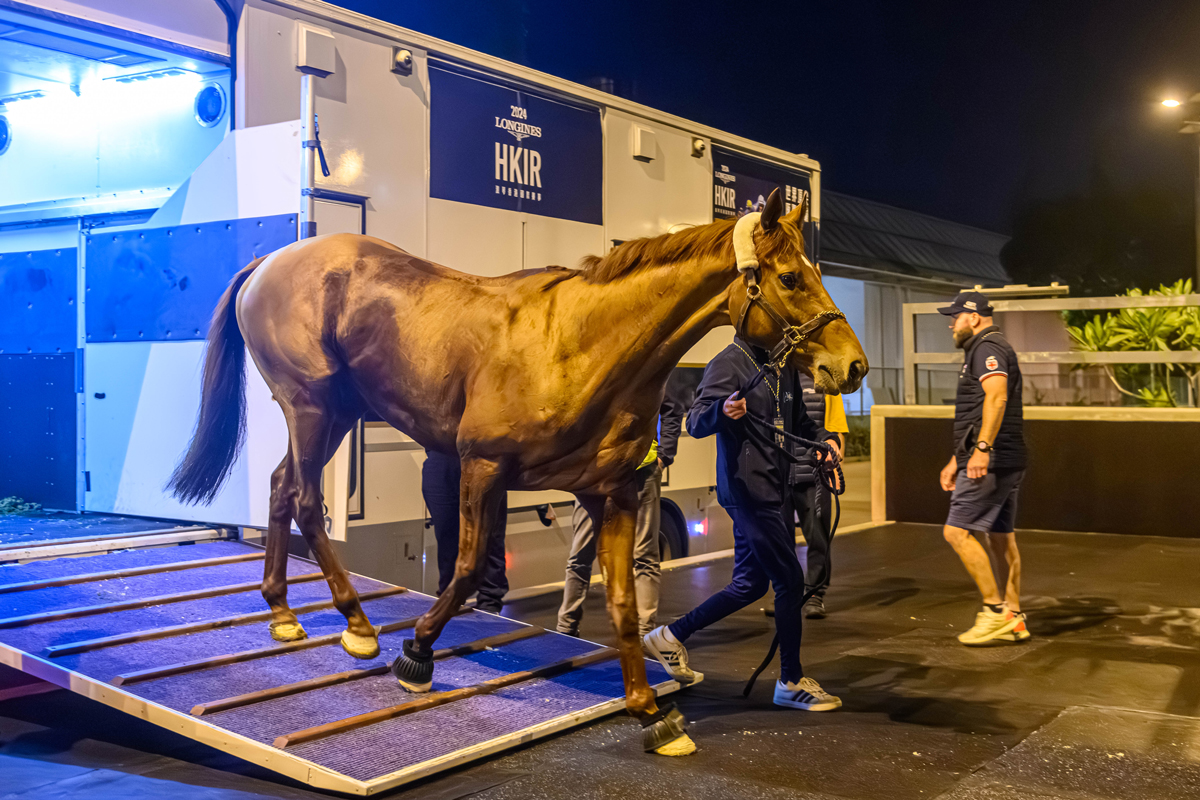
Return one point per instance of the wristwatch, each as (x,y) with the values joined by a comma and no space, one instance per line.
(983,447)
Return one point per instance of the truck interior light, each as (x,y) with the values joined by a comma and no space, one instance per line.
(19,96)
(170,72)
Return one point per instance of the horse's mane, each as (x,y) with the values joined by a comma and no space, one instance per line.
(698,242)
(701,241)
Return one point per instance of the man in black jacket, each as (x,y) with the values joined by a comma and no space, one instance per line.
(752,477)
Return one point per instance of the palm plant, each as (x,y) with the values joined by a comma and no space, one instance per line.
(1163,329)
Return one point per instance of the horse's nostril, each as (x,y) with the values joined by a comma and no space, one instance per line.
(857,370)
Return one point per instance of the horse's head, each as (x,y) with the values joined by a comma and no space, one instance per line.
(783,296)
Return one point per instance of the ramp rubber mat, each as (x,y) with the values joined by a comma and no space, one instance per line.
(162,633)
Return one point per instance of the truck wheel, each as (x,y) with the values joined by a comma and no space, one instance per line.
(671,536)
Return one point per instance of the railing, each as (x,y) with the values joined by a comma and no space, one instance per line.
(930,377)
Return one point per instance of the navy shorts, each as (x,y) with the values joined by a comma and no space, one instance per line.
(988,505)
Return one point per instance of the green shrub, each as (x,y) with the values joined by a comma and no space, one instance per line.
(858,440)
(15,505)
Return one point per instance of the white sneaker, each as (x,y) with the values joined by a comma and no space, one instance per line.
(668,651)
(989,626)
(805,694)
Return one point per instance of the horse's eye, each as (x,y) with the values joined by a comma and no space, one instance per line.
(788,279)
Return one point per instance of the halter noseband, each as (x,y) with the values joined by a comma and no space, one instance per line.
(747,264)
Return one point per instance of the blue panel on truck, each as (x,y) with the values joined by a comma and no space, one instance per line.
(37,301)
(162,284)
(37,428)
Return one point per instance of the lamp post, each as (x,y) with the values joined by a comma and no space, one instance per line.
(1191,125)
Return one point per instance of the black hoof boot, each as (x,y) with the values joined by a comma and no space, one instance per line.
(414,669)
(664,733)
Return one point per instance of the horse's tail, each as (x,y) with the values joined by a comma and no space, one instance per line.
(221,424)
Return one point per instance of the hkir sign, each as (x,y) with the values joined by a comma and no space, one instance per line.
(498,145)
(518,165)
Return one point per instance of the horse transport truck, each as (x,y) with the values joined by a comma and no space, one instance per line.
(150,151)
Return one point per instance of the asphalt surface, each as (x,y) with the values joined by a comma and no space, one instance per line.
(1104,702)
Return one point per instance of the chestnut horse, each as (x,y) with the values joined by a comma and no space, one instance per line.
(542,379)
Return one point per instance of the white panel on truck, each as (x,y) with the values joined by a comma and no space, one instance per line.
(192,23)
(142,399)
(141,422)
(372,121)
(475,239)
(648,198)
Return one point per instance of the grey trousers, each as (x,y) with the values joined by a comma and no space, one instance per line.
(646,571)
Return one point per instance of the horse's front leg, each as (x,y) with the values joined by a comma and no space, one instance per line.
(662,729)
(482,506)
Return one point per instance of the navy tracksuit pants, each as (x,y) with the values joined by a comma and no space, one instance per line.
(764,555)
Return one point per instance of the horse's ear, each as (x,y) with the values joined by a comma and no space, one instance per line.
(772,211)
(799,214)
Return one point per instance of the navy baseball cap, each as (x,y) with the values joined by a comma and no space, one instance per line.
(968,302)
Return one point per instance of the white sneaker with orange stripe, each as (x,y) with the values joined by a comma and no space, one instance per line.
(989,625)
(1017,634)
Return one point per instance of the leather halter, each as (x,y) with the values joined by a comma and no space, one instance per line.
(747,264)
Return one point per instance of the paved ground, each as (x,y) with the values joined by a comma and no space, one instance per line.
(1105,703)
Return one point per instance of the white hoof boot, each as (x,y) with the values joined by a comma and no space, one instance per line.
(287,631)
(683,746)
(664,733)
(360,646)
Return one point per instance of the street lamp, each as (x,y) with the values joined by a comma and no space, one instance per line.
(1191,125)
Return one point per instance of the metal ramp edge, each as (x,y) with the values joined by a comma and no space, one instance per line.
(279,760)
(105,543)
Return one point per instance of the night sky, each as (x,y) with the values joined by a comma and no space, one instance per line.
(966,111)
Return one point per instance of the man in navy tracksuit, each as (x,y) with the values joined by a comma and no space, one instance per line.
(752,480)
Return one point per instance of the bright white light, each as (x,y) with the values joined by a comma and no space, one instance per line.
(1169,103)
(698,527)
(105,102)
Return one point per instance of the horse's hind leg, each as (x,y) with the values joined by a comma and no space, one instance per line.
(662,730)
(284,625)
(314,434)
(482,504)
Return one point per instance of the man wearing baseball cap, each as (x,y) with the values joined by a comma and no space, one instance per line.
(986,469)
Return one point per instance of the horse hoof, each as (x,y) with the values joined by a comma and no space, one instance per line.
(287,631)
(360,646)
(414,669)
(664,733)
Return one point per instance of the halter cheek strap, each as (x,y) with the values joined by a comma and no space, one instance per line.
(747,264)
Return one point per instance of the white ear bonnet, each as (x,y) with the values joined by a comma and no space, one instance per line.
(743,242)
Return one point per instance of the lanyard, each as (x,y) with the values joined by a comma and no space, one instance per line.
(774,390)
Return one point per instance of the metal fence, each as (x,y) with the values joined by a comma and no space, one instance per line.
(1074,377)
